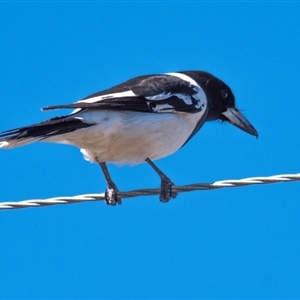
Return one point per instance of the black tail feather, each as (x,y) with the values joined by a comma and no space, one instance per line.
(55,126)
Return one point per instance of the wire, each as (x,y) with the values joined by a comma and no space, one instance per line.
(151,192)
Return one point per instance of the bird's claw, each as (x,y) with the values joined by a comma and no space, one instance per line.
(111,196)
(166,192)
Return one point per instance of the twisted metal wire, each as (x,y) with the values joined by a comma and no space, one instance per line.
(150,192)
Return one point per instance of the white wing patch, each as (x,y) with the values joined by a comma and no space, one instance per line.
(199,95)
(108,96)
(163,108)
(158,97)
(186,98)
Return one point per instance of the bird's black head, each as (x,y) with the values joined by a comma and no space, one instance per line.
(221,101)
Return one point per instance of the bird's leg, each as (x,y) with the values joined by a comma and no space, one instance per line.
(166,192)
(111,193)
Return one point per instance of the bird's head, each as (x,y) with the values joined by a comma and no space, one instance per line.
(221,103)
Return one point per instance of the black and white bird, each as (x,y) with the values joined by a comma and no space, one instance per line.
(140,120)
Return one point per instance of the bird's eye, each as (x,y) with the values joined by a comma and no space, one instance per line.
(224,94)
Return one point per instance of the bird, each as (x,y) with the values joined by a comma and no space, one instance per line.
(140,120)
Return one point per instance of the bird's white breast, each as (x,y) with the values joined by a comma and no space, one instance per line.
(125,137)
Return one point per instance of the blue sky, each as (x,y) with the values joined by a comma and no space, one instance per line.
(228,243)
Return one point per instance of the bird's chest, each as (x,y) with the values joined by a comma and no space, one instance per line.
(130,137)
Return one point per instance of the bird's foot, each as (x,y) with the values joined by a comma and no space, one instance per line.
(111,196)
(166,192)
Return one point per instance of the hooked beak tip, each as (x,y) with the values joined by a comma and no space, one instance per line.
(237,119)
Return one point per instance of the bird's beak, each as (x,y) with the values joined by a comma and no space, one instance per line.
(237,119)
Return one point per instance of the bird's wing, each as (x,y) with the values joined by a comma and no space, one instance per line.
(169,92)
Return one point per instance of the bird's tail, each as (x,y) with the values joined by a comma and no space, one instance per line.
(40,131)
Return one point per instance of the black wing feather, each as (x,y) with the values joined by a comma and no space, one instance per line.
(119,88)
(126,103)
(142,87)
